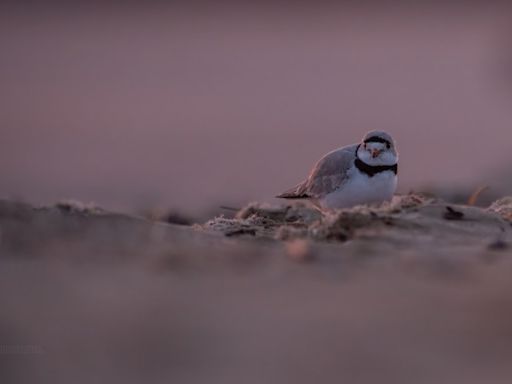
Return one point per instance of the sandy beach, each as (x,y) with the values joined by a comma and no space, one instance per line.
(416,291)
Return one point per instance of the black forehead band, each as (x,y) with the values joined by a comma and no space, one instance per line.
(376,139)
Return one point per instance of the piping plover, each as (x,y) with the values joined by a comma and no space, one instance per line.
(363,173)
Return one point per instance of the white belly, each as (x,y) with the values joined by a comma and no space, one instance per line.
(362,189)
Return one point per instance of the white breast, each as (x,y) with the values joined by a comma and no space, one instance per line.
(362,189)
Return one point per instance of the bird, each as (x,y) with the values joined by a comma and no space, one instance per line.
(358,174)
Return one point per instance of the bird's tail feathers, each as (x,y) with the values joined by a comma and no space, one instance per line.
(294,193)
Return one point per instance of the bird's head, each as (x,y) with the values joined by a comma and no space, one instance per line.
(378,148)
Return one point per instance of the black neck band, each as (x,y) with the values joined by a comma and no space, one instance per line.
(372,170)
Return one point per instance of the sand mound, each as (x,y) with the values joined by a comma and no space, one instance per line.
(409,220)
(414,291)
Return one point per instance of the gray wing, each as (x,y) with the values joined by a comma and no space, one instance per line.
(329,174)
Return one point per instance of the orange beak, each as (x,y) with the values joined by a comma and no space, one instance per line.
(376,153)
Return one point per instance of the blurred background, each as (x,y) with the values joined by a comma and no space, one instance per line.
(184,107)
(189,106)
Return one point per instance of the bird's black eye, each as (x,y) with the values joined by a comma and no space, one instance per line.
(388,145)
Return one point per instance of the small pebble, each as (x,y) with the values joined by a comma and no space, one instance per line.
(452,214)
(299,250)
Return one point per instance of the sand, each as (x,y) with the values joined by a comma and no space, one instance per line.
(415,291)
